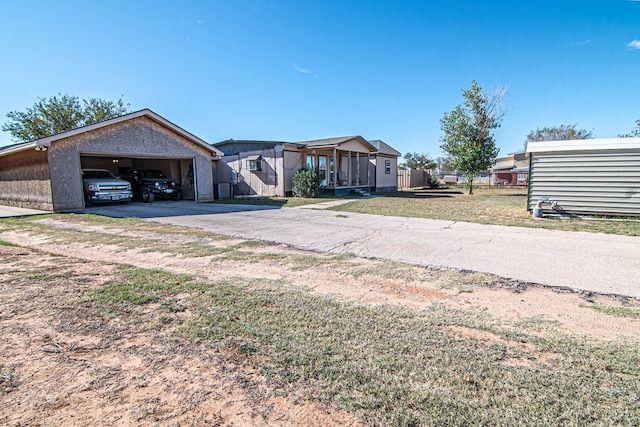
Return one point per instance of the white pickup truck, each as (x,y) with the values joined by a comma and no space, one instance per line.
(101,186)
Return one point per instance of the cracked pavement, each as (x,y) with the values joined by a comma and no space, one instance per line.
(600,263)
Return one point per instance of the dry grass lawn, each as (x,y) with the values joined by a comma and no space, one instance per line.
(124,322)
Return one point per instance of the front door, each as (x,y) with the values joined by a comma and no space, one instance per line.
(322,170)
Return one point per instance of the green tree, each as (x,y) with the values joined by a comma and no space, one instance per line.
(58,114)
(635,133)
(559,133)
(468,131)
(418,161)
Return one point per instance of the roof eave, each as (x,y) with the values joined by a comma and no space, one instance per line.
(46,141)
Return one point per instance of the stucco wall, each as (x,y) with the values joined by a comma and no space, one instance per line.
(24,180)
(140,137)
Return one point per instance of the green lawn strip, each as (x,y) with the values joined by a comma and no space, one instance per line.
(486,206)
(394,366)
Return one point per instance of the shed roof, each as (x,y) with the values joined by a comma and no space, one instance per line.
(46,142)
(583,145)
(384,148)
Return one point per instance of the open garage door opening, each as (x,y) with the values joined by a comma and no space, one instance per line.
(151,178)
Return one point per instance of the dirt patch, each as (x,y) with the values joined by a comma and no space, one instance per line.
(530,356)
(64,365)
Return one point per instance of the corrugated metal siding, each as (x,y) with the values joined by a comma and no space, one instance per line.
(588,182)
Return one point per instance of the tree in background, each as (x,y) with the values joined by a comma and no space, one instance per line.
(444,166)
(559,133)
(60,113)
(418,161)
(635,133)
(468,131)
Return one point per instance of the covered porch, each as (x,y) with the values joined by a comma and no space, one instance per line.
(344,166)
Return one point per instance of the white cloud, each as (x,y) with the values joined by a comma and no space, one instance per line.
(635,44)
(302,70)
(582,43)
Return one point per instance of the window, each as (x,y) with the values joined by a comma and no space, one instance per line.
(387,167)
(311,161)
(254,163)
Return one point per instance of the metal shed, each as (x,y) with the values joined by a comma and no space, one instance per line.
(590,176)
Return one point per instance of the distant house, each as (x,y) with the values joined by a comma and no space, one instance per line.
(512,169)
(589,176)
(345,164)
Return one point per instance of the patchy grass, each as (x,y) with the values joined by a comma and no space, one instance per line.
(630,312)
(389,365)
(3,243)
(394,366)
(499,206)
(135,286)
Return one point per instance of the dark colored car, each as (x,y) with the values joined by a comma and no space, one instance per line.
(152,184)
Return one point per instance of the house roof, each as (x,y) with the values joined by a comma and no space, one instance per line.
(375,145)
(250,141)
(384,148)
(583,145)
(335,142)
(46,142)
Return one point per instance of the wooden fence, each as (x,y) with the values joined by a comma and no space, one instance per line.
(411,178)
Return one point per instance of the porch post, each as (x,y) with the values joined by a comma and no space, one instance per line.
(368,170)
(335,167)
(349,168)
(357,168)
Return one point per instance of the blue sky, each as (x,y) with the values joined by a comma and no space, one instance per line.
(297,70)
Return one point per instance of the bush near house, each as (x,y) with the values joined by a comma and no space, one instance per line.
(306,183)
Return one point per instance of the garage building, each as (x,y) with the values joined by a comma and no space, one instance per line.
(46,173)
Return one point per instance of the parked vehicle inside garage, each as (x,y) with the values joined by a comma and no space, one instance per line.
(153,183)
(102,186)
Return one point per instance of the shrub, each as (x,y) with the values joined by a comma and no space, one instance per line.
(434,182)
(306,183)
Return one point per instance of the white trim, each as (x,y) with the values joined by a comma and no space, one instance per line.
(583,145)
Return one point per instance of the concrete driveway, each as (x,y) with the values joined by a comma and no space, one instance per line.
(586,261)
(9,211)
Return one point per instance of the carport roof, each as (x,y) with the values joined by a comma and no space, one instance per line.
(46,142)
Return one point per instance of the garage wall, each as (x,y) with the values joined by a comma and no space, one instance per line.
(24,180)
(135,138)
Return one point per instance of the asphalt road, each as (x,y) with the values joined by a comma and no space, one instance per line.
(600,263)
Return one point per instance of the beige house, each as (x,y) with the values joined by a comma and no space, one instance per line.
(385,164)
(512,169)
(46,173)
(345,164)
